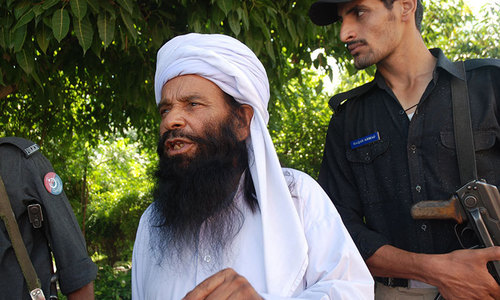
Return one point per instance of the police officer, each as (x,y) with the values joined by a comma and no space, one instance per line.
(29,179)
(391,144)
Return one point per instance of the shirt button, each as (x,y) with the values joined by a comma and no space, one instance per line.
(418,188)
(207,258)
(413,148)
(401,112)
(424,227)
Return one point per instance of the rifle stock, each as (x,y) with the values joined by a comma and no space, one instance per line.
(438,209)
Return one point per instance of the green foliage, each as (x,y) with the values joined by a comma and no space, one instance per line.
(119,191)
(113,283)
(297,123)
(105,50)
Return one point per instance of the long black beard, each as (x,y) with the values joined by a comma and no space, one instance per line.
(196,194)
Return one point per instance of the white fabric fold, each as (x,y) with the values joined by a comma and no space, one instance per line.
(237,71)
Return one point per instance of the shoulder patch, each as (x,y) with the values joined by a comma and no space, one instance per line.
(340,98)
(26,146)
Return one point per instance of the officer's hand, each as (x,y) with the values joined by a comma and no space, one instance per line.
(462,274)
(225,284)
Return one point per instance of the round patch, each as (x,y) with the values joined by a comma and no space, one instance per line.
(53,183)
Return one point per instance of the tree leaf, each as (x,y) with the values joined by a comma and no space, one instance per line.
(96,46)
(225,6)
(234,23)
(108,7)
(79,8)
(127,20)
(106,28)
(270,50)
(21,9)
(25,19)
(25,60)
(94,5)
(9,2)
(127,4)
(243,15)
(36,78)
(49,3)
(3,34)
(291,30)
(38,10)
(20,37)
(84,32)
(257,20)
(60,24)
(43,36)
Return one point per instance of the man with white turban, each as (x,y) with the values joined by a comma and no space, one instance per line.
(228,222)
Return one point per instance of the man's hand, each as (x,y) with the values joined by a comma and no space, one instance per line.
(225,284)
(462,274)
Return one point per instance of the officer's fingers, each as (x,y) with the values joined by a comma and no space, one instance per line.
(202,290)
(490,253)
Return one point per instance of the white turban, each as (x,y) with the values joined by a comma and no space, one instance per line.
(235,69)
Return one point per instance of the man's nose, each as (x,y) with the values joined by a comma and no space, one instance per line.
(347,32)
(174,119)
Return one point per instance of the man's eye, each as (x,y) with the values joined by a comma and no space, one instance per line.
(164,111)
(194,103)
(360,13)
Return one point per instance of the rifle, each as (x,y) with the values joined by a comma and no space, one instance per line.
(478,204)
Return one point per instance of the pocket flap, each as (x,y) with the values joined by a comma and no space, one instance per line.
(366,154)
(482,139)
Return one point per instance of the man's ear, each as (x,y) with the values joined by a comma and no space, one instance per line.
(245,113)
(408,9)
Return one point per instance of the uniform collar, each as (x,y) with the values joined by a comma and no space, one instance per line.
(445,64)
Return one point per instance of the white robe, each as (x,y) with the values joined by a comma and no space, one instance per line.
(334,268)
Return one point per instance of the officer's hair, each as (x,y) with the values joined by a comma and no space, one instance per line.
(419,12)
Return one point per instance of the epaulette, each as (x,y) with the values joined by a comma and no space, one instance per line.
(26,146)
(472,64)
(340,98)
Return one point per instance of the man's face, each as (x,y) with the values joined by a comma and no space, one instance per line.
(189,104)
(202,153)
(370,30)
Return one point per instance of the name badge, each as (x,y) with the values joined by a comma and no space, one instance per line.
(365,140)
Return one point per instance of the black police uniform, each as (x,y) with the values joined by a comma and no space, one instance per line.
(23,169)
(378,163)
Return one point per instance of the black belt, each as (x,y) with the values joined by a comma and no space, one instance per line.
(392,282)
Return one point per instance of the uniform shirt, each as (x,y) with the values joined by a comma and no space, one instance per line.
(23,174)
(335,269)
(374,185)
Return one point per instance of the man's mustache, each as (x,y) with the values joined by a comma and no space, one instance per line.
(360,41)
(178,133)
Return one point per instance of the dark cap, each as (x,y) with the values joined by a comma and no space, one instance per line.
(324,12)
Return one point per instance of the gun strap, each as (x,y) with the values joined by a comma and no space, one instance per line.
(462,124)
(22,256)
